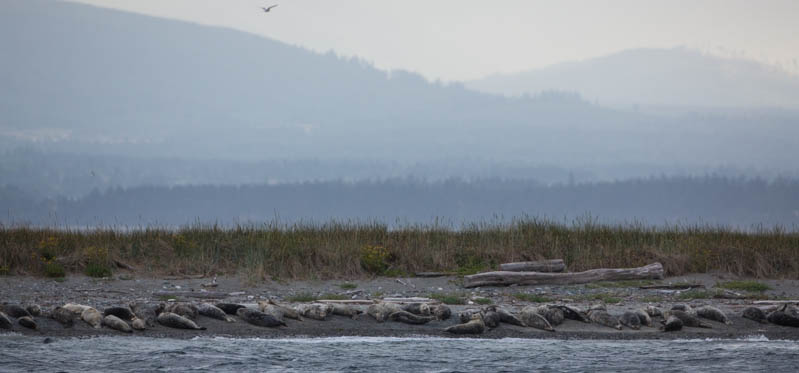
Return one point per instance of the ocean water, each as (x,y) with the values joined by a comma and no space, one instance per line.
(384,354)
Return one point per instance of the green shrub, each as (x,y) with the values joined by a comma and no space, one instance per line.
(752,286)
(53,269)
(483,301)
(534,298)
(374,259)
(449,298)
(348,286)
(97,270)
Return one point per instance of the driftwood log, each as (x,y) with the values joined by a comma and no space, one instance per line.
(553,265)
(192,294)
(651,271)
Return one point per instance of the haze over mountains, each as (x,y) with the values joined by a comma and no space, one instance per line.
(96,98)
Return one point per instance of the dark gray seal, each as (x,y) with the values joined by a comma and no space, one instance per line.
(672,324)
(258,318)
(554,315)
(410,318)
(27,322)
(116,323)
(783,318)
(573,313)
(688,319)
(602,317)
(474,326)
(34,309)
(64,316)
(209,310)
(441,312)
(147,311)
(5,322)
(713,313)
(229,308)
(754,313)
(176,321)
(653,311)
(14,310)
(491,318)
(644,317)
(123,313)
(631,320)
(684,308)
(466,315)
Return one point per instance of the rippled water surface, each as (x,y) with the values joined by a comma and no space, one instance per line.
(19,353)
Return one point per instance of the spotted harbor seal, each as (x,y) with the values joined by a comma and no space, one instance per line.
(630,319)
(176,321)
(27,321)
(713,313)
(186,310)
(754,313)
(685,308)
(229,308)
(34,309)
(63,316)
(316,311)
(138,324)
(209,310)
(474,326)
(14,310)
(381,311)
(573,313)
(258,318)
(554,315)
(345,310)
(441,312)
(491,318)
(147,311)
(644,317)
(533,319)
(421,309)
(5,322)
(466,315)
(123,313)
(410,318)
(687,319)
(92,317)
(287,311)
(507,317)
(671,324)
(783,318)
(77,309)
(116,323)
(602,317)
(653,311)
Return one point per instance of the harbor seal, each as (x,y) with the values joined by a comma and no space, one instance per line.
(176,321)
(258,318)
(684,308)
(713,313)
(34,309)
(754,313)
(507,317)
(783,318)
(147,311)
(687,319)
(602,317)
(123,313)
(671,324)
(410,318)
(466,315)
(14,310)
(316,311)
(345,310)
(421,309)
(644,317)
(116,323)
(186,310)
(138,324)
(491,318)
(63,316)
(441,312)
(209,310)
(573,313)
(77,309)
(92,317)
(554,315)
(653,311)
(474,326)
(287,311)
(229,308)
(533,319)
(381,311)
(27,322)
(631,320)
(5,322)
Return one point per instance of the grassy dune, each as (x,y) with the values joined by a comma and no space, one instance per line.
(352,250)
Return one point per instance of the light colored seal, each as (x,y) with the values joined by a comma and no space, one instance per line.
(63,316)
(209,310)
(713,313)
(644,317)
(671,324)
(630,319)
(754,313)
(138,324)
(316,311)
(421,309)
(602,317)
(186,310)
(123,313)
(381,311)
(684,308)
(77,309)
(287,311)
(653,311)
(466,315)
(5,322)
(345,310)
(410,318)
(474,326)
(506,317)
(687,319)
(34,309)
(92,317)
(27,322)
(116,323)
(174,320)
(533,319)
(258,318)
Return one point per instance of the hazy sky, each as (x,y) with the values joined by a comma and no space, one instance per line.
(467,39)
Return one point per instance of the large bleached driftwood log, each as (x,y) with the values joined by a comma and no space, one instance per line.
(553,265)
(651,271)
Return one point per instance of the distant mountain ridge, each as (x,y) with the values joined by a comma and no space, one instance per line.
(657,77)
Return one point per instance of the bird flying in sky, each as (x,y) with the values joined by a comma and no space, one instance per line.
(266,10)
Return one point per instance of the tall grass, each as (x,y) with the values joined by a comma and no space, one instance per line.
(340,250)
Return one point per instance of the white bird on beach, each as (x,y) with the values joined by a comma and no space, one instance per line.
(266,10)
